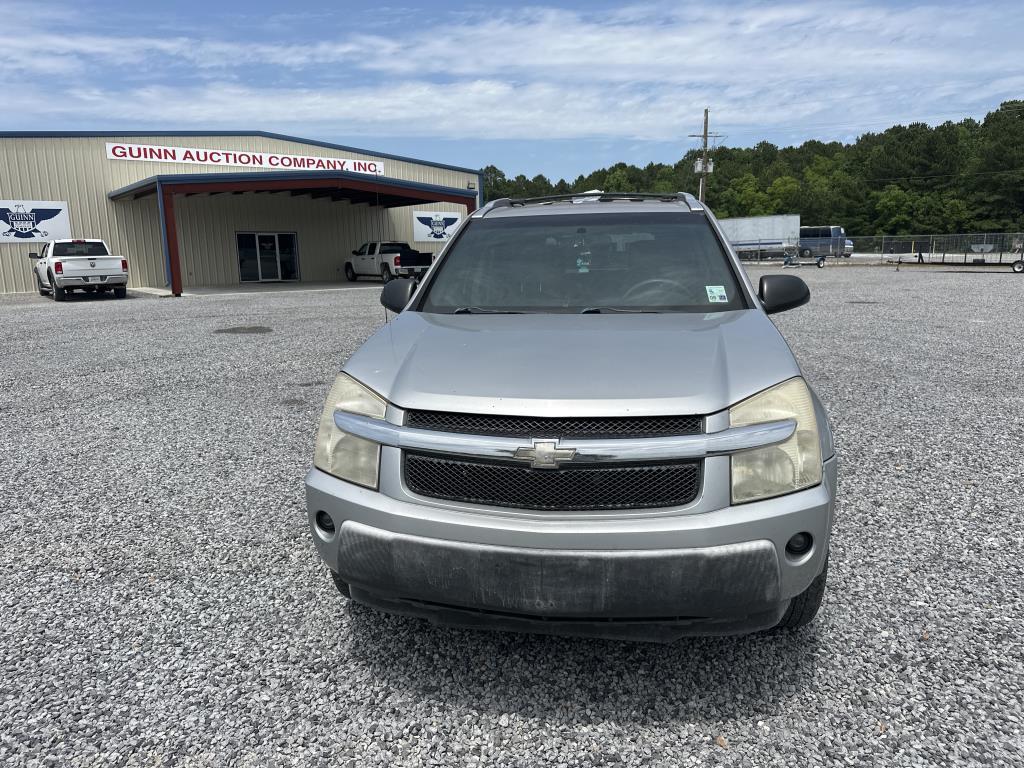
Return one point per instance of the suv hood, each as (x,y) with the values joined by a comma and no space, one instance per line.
(566,365)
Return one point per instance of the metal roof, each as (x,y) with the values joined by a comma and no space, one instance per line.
(283,180)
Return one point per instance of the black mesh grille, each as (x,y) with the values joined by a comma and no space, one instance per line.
(538,426)
(580,488)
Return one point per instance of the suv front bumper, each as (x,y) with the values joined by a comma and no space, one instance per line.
(651,577)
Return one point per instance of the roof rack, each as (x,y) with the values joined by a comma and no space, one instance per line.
(595,195)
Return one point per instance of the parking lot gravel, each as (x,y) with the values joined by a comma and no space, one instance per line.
(161,602)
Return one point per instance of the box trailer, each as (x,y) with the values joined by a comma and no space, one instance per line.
(763,237)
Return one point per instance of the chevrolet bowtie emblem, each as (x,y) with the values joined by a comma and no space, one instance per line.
(545,454)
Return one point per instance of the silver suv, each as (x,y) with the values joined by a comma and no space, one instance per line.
(582,421)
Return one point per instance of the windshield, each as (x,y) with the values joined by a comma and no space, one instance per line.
(621,262)
(79,249)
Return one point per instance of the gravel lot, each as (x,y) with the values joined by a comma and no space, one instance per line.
(161,602)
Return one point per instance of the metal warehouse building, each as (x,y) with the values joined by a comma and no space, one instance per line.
(216,208)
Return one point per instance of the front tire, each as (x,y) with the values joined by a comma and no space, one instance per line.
(39,285)
(1018,267)
(804,607)
(59,294)
(350,273)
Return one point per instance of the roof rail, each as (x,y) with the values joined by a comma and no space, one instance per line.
(501,202)
(693,202)
(601,196)
(604,197)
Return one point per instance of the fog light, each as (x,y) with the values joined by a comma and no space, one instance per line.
(799,544)
(324,522)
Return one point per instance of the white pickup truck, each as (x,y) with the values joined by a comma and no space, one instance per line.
(386,260)
(85,265)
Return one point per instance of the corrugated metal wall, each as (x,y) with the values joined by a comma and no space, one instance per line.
(327,232)
(77,170)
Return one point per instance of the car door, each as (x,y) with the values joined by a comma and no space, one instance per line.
(371,265)
(357,259)
(40,264)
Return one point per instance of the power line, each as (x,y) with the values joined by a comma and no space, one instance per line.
(947,175)
(861,126)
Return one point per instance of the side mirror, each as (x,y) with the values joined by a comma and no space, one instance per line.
(397,293)
(355,252)
(781,292)
(33,255)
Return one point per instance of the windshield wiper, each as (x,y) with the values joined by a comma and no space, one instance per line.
(482,311)
(627,310)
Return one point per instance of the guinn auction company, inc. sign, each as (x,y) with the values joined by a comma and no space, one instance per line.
(155,153)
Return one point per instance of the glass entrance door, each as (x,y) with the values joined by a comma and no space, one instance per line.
(287,256)
(267,256)
(248,264)
(266,245)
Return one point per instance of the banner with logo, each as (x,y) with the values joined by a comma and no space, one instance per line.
(32,221)
(158,153)
(434,226)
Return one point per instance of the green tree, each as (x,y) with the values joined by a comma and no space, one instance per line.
(785,195)
(617,181)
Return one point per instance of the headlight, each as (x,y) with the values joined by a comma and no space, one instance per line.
(343,455)
(790,466)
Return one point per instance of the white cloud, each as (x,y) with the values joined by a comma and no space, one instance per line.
(641,72)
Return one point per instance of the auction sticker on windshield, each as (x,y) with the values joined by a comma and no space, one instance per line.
(716,294)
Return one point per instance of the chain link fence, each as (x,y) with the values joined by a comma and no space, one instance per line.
(981,248)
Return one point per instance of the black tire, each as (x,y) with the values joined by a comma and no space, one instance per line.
(350,272)
(804,607)
(39,285)
(1018,267)
(120,291)
(805,253)
(385,273)
(821,262)
(341,585)
(59,294)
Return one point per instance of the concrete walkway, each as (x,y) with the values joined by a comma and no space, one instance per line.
(252,288)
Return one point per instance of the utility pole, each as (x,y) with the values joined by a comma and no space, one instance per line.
(704,166)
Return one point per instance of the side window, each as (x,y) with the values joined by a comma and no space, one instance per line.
(372,249)
(362,250)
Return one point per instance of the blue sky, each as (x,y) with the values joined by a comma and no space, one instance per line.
(554,88)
